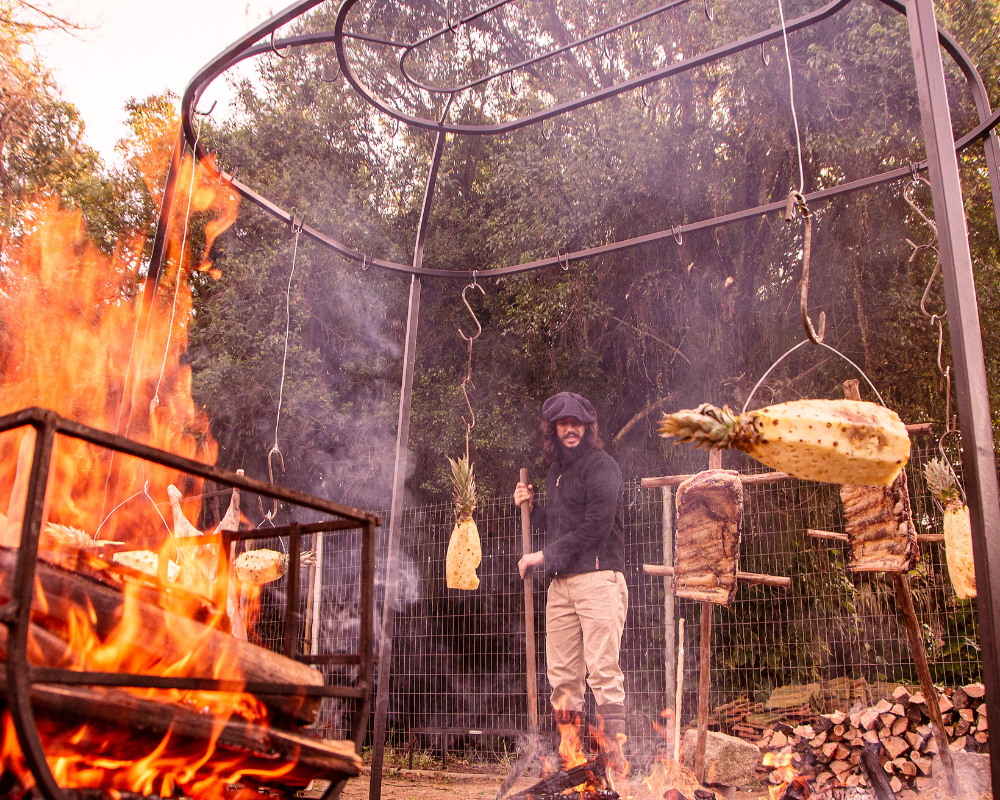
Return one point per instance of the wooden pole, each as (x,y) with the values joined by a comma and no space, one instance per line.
(705,663)
(529,618)
(679,697)
(904,601)
(746,577)
(668,595)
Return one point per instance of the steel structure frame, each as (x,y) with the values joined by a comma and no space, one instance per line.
(16,612)
(926,39)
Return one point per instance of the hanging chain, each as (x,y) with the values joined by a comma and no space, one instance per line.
(467,383)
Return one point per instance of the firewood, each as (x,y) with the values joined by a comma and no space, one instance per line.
(901,693)
(851,734)
(896,784)
(816,741)
(887,719)
(925,765)
(871,736)
(868,718)
(958,744)
(981,736)
(898,709)
(840,767)
(945,704)
(913,739)
(975,690)
(961,698)
(962,727)
(914,714)
(166,637)
(981,722)
(895,746)
(882,706)
(838,717)
(905,767)
(899,726)
(918,699)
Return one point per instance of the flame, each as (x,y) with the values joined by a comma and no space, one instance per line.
(80,337)
(572,754)
(782,763)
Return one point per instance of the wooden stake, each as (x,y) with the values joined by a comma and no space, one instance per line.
(529,618)
(679,697)
(746,577)
(704,684)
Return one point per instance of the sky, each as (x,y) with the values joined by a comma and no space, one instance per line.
(137,48)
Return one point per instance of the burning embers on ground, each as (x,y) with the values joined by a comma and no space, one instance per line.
(79,339)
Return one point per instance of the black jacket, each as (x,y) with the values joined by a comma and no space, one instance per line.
(584,518)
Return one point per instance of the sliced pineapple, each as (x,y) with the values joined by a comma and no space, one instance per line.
(957,528)
(263,566)
(835,441)
(464,548)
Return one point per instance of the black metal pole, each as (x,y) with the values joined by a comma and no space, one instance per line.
(398,487)
(978,459)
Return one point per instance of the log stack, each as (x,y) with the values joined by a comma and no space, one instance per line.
(827,749)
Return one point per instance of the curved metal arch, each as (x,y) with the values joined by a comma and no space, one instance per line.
(251,45)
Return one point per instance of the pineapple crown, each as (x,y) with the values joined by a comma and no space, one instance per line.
(706,426)
(464,485)
(941,481)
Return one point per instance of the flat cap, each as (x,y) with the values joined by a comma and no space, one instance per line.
(568,404)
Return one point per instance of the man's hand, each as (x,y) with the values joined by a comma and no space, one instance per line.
(531,561)
(524,492)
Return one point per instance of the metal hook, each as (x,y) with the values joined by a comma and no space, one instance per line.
(296,224)
(277,52)
(232,176)
(547,136)
(449,20)
(764,55)
(911,187)
(395,130)
(677,234)
(479,328)
(275,450)
(206,113)
(562,263)
(366,262)
(796,205)
(709,10)
(322,74)
(644,96)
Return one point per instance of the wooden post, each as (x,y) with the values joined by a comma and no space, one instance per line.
(529,618)
(679,697)
(705,665)
(668,596)
(904,601)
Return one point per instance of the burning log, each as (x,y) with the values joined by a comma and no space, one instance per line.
(159,636)
(591,773)
(116,708)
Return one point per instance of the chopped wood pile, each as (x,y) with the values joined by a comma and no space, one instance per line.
(827,747)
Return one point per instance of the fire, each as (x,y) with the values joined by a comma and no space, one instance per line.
(572,753)
(78,337)
(784,773)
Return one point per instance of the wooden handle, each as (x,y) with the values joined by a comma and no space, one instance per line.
(529,615)
(745,577)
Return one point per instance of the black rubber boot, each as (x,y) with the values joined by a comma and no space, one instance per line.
(611,722)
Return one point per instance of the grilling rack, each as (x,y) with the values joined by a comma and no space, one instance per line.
(16,612)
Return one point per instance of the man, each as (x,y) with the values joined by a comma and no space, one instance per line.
(584,555)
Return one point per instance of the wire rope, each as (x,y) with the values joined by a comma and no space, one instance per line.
(155,402)
(791,97)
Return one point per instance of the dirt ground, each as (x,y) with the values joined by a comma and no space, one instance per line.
(434,785)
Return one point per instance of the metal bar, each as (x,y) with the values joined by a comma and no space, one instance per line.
(978,458)
(704,686)
(292,591)
(398,484)
(16,614)
(147,453)
(331,659)
(66,677)
(366,635)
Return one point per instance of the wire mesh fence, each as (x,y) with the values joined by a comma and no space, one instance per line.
(458,663)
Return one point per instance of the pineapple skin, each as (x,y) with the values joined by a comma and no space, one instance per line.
(464,556)
(834,441)
(958,550)
(260,566)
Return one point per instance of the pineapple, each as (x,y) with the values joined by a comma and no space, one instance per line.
(263,566)
(145,561)
(836,441)
(464,550)
(957,530)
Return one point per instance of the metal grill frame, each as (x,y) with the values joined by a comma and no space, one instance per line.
(16,612)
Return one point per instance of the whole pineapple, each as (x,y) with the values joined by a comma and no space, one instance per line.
(464,549)
(263,566)
(836,441)
(957,529)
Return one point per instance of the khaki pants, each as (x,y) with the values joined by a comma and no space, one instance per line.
(584,620)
